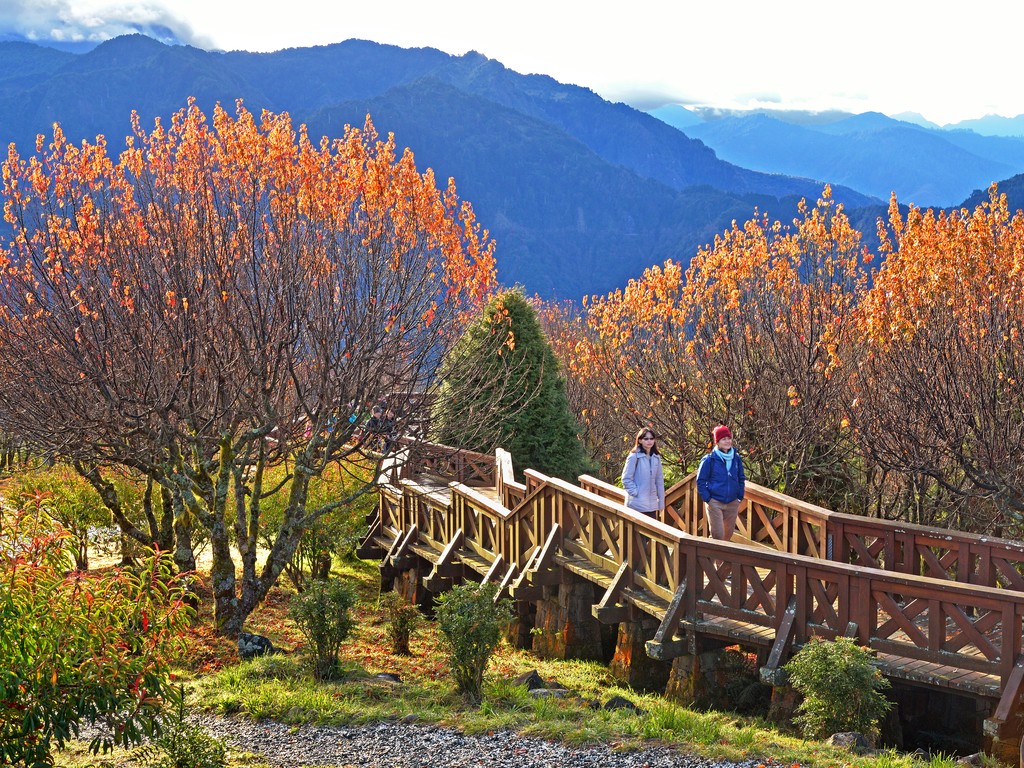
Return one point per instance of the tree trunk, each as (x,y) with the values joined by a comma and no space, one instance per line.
(184,555)
(227,612)
(321,566)
(110,499)
(287,541)
(126,551)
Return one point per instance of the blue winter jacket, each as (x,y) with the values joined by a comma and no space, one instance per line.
(714,482)
(644,481)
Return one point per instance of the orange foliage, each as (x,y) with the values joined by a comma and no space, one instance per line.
(940,394)
(222,281)
(772,329)
(752,334)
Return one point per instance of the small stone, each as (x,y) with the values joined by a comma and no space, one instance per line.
(251,646)
(855,742)
(549,693)
(532,680)
(390,677)
(976,759)
(619,702)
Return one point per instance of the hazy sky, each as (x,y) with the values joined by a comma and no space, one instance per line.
(948,61)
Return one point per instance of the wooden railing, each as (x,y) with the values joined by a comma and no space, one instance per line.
(905,591)
(469,467)
(788,525)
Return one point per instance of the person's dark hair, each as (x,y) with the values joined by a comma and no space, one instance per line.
(639,437)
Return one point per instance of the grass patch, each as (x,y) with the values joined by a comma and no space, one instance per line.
(281,687)
(77,755)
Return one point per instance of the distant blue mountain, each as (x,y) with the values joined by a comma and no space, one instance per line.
(70,47)
(580,194)
(870,152)
(992,125)
(677,116)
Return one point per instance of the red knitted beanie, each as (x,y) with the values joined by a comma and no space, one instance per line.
(720,432)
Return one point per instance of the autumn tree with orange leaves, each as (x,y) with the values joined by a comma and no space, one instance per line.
(772,335)
(757,333)
(940,395)
(607,428)
(203,308)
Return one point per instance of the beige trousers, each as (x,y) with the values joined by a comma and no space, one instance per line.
(721,518)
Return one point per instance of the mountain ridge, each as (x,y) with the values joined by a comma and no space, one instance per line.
(871,152)
(580,194)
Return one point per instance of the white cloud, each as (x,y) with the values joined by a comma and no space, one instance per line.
(87,21)
(936,57)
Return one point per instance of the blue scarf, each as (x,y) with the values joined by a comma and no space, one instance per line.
(726,457)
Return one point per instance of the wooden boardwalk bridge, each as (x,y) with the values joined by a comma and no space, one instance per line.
(941,609)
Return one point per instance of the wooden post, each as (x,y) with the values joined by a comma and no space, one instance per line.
(1003,730)
(565,627)
(631,664)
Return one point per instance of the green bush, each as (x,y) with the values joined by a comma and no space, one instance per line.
(182,744)
(403,617)
(322,614)
(70,501)
(472,622)
(502,387)
(79,648)
(841,689)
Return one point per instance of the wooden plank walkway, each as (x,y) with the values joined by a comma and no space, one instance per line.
(942,610)
(710,622)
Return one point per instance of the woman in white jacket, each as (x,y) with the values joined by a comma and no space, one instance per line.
(642,476)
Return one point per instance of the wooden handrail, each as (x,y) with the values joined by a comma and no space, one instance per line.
(904,590)
(601,488)
(780,522)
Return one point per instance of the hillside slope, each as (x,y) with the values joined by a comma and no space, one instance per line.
(581,194)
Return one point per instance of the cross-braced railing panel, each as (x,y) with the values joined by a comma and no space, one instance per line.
(825,597)
(733,583)
(389,507)
(456,464)
(1002,572)
(909,592)
(427,511)
(866,546)
(788,525)
(481,522)
(764,525)
(941,622)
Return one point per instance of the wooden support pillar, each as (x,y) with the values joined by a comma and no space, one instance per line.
(369,548)
(519,632)
(409,584)
(565,627)
(695,680)
(631,664)
(684,683)
(1003,730)
(784,697)
(783,705)
(447,570)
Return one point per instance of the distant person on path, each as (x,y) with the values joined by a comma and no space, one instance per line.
(388,427)
(642,476)
(371,434)
(721,482)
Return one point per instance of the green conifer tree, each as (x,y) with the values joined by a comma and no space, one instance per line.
(502,388)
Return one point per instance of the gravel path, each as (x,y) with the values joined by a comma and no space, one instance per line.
(398,745)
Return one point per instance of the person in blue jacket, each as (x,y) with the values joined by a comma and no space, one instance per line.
(642,476)
(721,484)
